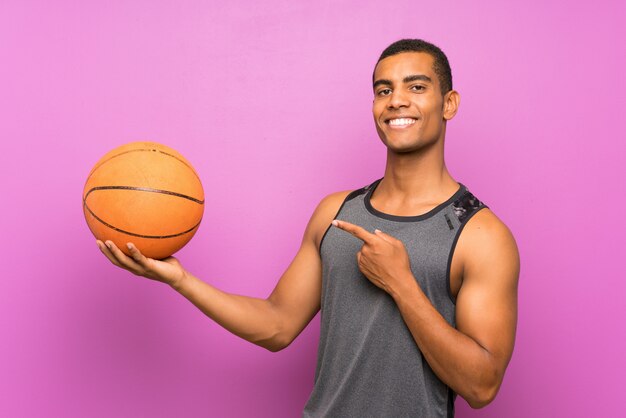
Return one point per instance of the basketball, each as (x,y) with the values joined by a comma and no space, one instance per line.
(145,193)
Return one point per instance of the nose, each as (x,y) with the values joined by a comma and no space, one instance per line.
(397,99)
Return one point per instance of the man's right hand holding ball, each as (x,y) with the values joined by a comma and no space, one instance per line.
(168,270)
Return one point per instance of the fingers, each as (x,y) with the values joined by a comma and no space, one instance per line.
(139,258)
(120,259)
(384,236)
(355,230)
(105,250)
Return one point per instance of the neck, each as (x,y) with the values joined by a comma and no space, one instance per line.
(420,175)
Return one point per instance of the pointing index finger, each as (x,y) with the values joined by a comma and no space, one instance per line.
(355,230)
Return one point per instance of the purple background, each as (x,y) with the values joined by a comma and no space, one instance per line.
(271,103)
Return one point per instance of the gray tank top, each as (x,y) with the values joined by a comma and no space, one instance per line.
(368,363)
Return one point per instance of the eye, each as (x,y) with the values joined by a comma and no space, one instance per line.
(383,92)
(418,88)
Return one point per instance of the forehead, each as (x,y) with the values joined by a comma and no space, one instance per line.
(398,66)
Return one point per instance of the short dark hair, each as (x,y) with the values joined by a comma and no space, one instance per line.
(440,66)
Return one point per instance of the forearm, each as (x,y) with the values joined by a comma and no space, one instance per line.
(252,319)
(458,360)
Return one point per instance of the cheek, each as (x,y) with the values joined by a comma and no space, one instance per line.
(433,108)
(430,124)
(376,110)
(376,118)
(379,104)
(431,115)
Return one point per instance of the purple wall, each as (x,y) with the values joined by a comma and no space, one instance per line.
(272,104)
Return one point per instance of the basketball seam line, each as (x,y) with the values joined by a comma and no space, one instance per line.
(138,235)
(142,149)
(142,189)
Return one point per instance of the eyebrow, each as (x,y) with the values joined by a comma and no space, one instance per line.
(407,79)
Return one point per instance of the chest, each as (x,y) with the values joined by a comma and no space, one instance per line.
(428,247)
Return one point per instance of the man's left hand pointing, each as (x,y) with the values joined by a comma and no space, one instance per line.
(383,259)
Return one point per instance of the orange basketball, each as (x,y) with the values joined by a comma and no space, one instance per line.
(147,194)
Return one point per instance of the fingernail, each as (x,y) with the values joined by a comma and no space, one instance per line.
(377,230)
(334,222)
(108,244)
(130,247)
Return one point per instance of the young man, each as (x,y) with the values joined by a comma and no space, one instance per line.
(413,311)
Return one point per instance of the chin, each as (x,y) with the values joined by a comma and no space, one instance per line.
(403,150)
(405,147)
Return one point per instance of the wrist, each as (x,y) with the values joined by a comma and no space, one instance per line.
(404,287)
(178,283)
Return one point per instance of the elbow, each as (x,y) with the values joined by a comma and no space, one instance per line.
(483,396)
(275,343)
(480,401)
(274,337)
(484,392)
(281,334)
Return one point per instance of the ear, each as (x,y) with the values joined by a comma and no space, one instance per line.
(451,102)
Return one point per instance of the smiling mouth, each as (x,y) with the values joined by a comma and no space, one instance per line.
(400,122)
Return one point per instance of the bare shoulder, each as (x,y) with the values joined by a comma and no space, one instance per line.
(486,240)
(486,229)
(324,214)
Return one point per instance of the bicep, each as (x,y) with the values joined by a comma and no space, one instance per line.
(297,296)
(486,308)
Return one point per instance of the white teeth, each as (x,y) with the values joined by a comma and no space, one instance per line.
(401,122)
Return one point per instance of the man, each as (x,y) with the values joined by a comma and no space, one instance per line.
(413,311)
